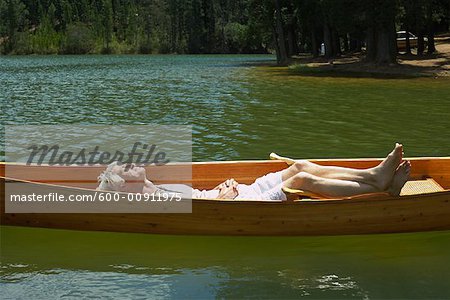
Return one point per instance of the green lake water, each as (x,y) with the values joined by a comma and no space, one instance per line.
(238,110)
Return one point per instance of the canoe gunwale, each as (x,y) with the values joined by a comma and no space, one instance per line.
(327,201)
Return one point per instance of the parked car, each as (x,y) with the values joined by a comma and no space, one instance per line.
(413,40)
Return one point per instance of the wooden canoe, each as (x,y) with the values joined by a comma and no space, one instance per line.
(421,208)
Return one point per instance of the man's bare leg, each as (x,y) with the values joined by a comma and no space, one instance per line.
(380,176)
(329,188)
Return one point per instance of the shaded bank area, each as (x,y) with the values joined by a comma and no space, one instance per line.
(355,65)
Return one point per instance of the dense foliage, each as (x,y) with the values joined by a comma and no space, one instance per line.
(350,25)
(218,26)
(128,26)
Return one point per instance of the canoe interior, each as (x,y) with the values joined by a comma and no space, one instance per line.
(206,175)
(413,213)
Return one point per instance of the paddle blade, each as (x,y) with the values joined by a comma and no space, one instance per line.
(287,160)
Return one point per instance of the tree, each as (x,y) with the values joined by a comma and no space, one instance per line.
(381,36)
(79,39)
(66,16)
(3,18)
(15,21)
(408,20)
(280,39)
(222,26)
(107,24)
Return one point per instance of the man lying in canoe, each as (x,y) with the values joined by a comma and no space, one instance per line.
(328,181)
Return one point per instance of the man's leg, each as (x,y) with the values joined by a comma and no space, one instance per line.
(344,188)
(329,188)
(379,176)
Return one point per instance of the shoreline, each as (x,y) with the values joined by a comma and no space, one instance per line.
(436,65)
(353,65)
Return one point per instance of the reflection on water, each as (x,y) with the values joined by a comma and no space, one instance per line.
(170,90)
(70,263)
(238,111)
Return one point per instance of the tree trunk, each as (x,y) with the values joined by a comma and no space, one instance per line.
(386,52)
(371,42)
(314,44)
(420,43)
(386,47)
(295,39)
(336,42)
(431,44)
(291,42)
(345,42)
(281,40)
(327,41)
(210,24)
(430,29)
(12,27)
(291,34)
(275,42)
(381,37)
(355,44)
(408,44)
(222,38)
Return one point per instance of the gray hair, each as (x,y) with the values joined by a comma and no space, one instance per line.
(110,181)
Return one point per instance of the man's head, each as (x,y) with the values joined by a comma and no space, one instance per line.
(122,178)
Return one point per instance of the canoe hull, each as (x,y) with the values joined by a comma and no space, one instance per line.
(425,212)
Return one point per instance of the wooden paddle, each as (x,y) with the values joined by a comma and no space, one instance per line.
(287,160)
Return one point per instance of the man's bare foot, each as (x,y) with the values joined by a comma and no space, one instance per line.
(400,178)
(384,172)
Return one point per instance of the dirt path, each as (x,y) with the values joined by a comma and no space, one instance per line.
(435,65)
(438,64)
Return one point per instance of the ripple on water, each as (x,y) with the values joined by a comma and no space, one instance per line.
(250,111)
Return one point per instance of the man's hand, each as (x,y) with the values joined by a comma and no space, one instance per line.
(228,193)
(227,183)
(228,189)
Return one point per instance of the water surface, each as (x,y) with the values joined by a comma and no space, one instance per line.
(39,263)
(238,111)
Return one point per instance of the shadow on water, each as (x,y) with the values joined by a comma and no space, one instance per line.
(351,70)
(396,265)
